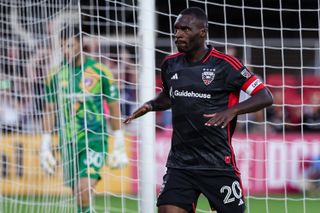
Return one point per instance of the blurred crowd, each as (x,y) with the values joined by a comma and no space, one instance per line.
(20,95)
(23,70)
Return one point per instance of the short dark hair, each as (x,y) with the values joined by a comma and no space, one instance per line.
(197,12)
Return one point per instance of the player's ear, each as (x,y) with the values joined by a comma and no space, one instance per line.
(203,32)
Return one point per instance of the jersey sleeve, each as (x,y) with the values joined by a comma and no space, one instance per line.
(164,67)
(243,79)
(109,87)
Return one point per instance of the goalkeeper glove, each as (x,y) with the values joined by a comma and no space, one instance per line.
(118,158)
(47,161)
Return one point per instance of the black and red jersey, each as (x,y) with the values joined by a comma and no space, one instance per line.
(208,86)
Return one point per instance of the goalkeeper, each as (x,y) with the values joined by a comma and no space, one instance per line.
(75,95)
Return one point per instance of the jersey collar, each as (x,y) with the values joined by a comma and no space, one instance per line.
(203,59)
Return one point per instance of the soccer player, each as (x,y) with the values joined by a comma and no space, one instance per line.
(76,94)
(201,85)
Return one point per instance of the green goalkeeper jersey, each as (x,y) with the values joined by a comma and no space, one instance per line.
(78,93)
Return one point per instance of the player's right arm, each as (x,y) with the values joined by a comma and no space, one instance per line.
(160,103)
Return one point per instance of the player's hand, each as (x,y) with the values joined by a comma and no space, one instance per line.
(118,158)
(47,161)
(220,119)
(139,112)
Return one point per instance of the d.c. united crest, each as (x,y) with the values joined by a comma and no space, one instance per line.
(245,73)
(208,75)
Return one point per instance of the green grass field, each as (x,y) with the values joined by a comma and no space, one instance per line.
(274,204)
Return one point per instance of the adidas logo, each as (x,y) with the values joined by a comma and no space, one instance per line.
(175,76)
(240,202)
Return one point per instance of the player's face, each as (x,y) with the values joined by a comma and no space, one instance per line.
(189,33)
(71,49)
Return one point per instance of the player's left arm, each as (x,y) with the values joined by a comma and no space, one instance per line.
(111,95)
(114,108)
(261,97)
(258,101)
(118,158)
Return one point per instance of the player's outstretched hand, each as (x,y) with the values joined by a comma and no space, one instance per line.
(47,161)
(138,113)
(118,158)
(219,119)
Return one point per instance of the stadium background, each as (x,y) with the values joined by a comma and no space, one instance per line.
(272,171)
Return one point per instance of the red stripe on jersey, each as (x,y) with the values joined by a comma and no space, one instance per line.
(194,207)
(208,56)
(237,171)
(248,83)
(233,100)
(231,58)
(172,56)
(234,62)
(257,89)
(224,57)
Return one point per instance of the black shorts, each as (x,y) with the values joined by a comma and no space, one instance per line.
(182,188)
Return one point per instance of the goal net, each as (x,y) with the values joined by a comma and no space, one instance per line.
(277,149)
(63,66)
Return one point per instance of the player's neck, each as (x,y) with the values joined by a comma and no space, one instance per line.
(197,54)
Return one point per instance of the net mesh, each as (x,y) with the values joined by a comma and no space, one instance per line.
(277,149)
